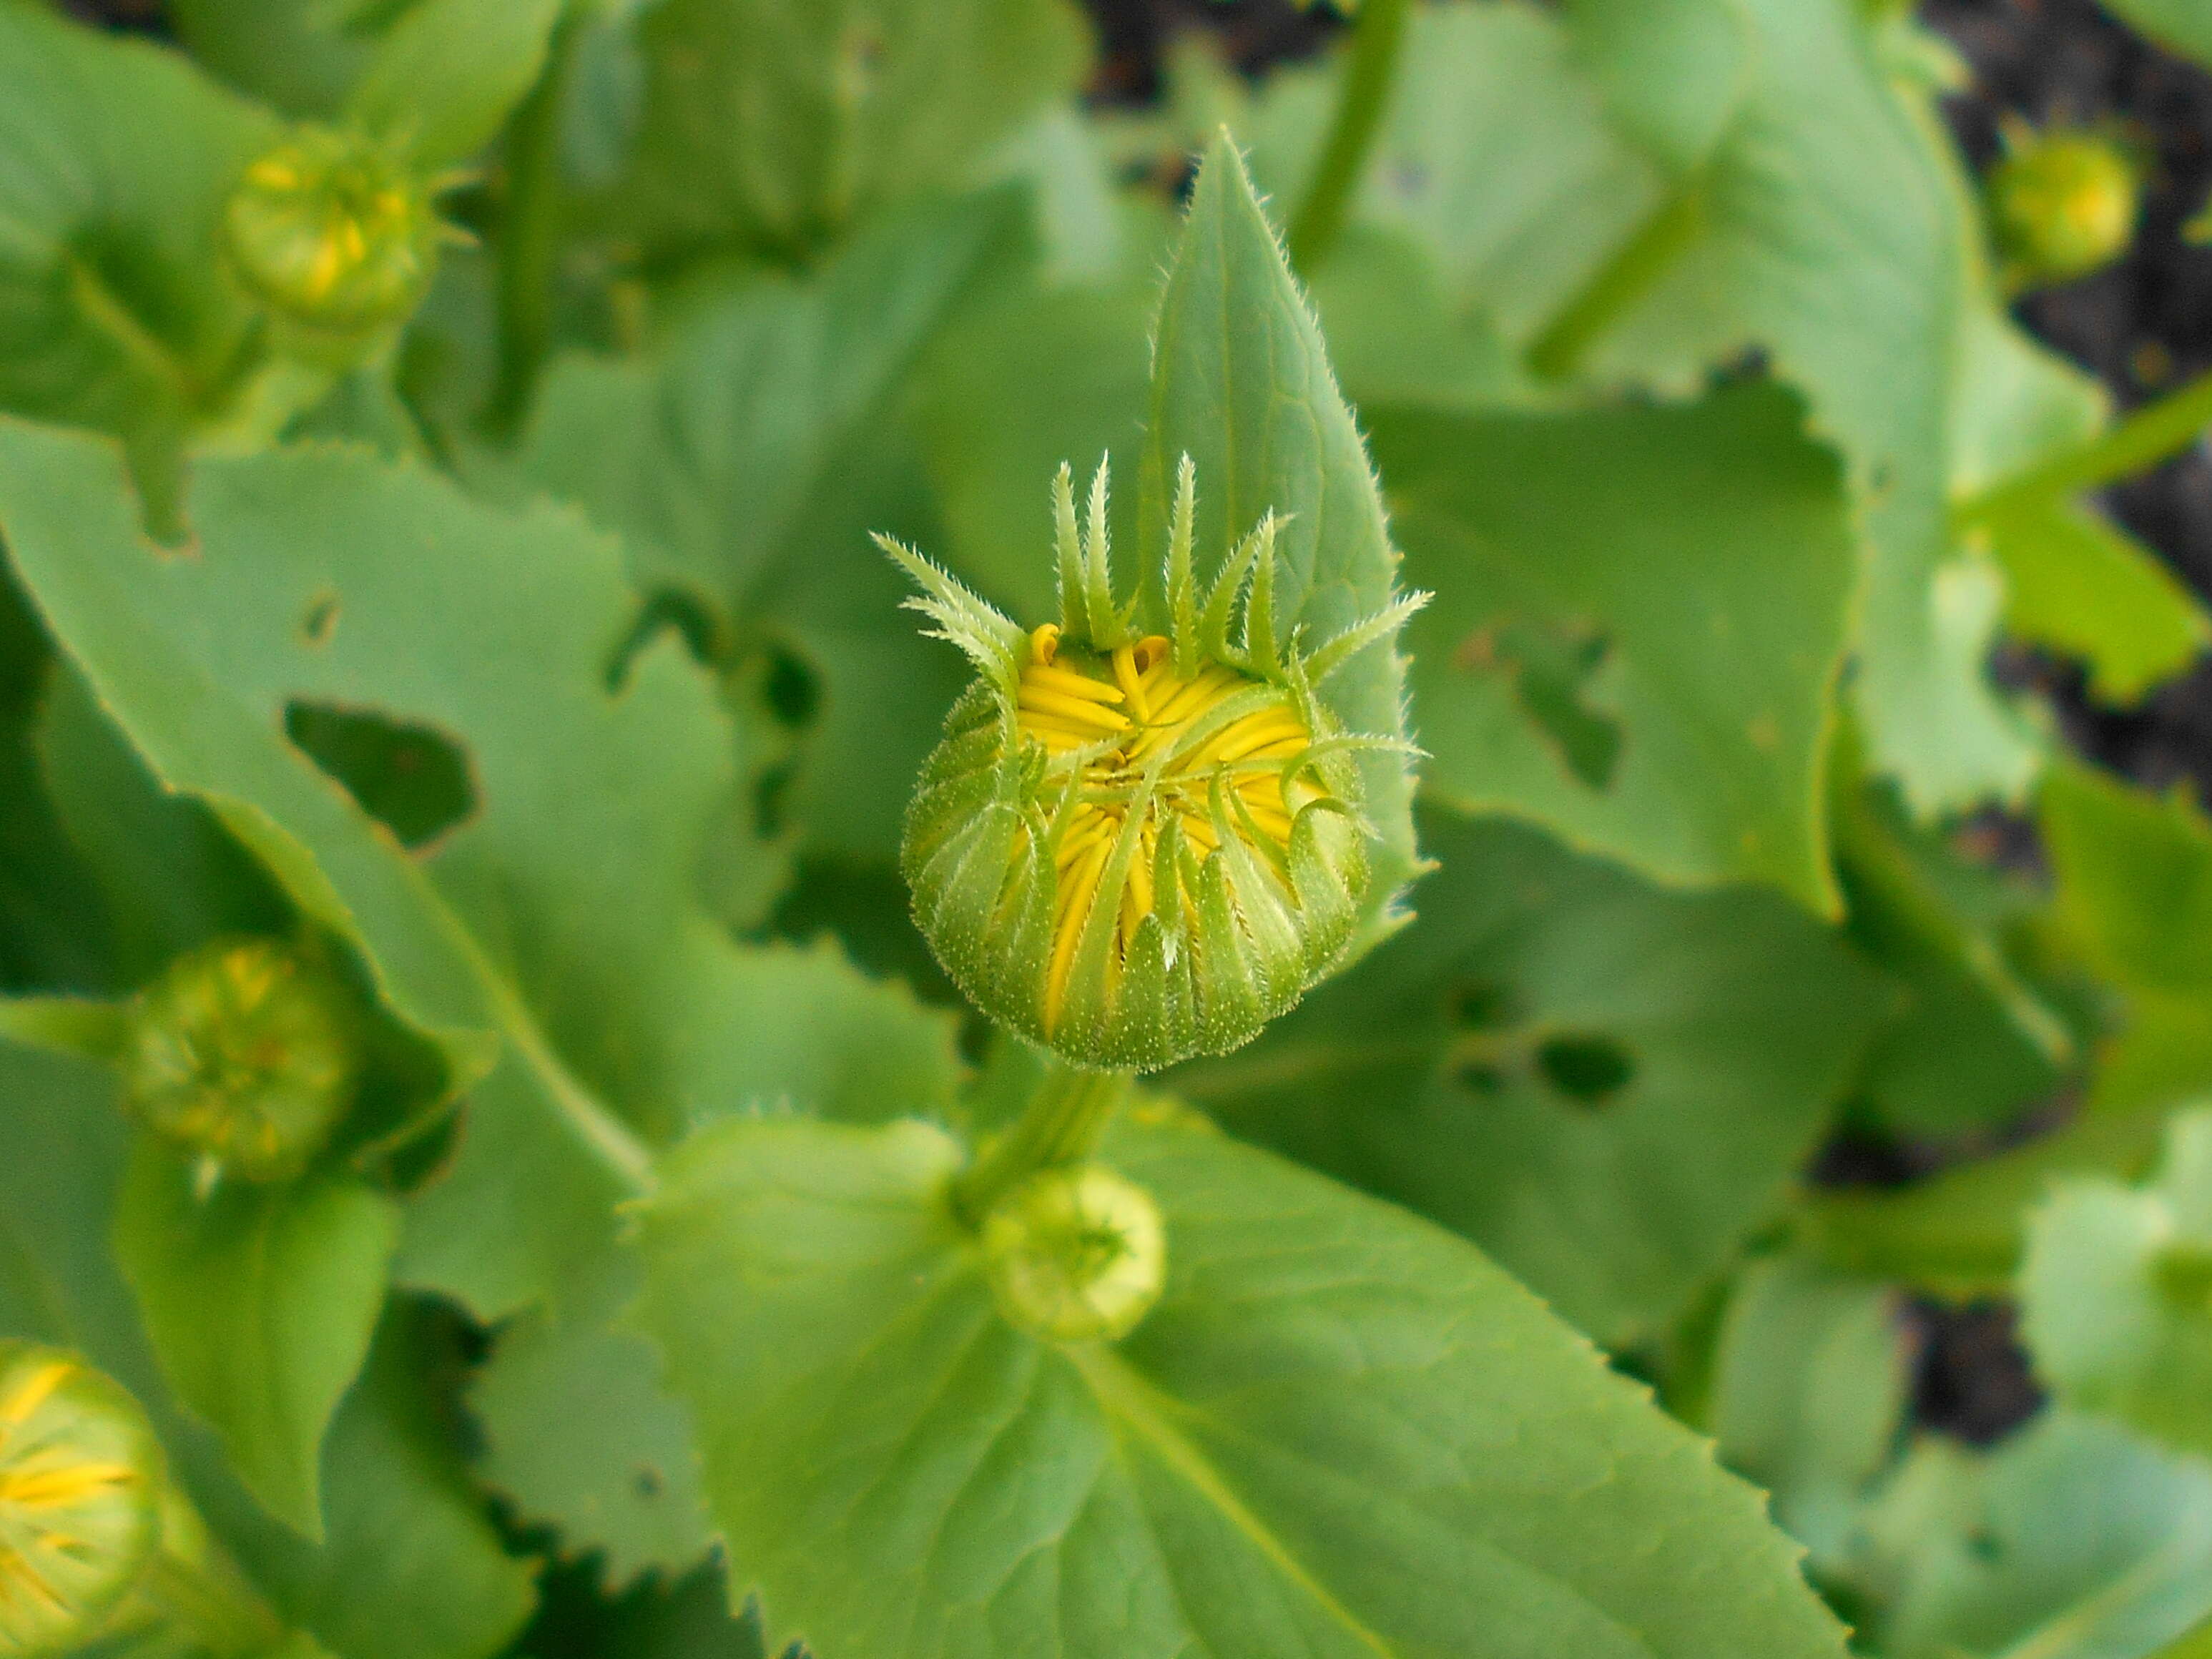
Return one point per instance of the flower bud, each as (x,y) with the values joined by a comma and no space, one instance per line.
(80,1500)
(1134,847)
(246,1052)
(332,233)
(1075,1255)
(2061,204)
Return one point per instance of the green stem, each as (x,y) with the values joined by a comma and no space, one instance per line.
(1890,897)
(2150,434)
(1620,282)
(529,232)
(1066,1120)
(1320,218)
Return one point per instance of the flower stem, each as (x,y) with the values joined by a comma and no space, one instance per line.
(1320,218)
(1065,1122)
(2150,434)
(529,234)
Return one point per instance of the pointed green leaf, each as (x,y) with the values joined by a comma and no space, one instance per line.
(1641,614)
(1605,1084)
(1242,384)
(1339,1433)
(441,82)
(557,919)
(260,1302)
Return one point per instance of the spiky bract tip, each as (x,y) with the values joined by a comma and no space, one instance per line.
(1135,847)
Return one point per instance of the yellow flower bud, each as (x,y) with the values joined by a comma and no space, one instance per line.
(1134,847)
(2061,204)
(80,1500)
(331,233)
(1075,1255)
(246,1052)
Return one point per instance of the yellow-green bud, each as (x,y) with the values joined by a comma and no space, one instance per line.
(1136,846)
(1075,1255)
(246,1052)
(2061,204)
(332,233)
(81,1489)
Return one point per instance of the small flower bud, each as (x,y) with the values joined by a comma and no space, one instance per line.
(245,1052)
(81,1487)
(332,233)
(1075,1255)
(2061,204)
(1134,847)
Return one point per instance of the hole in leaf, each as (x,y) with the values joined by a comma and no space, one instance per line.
(791,688)
(1552,665)
(772,800)
(1588,1069)
(1480,1006)
(321,620)
(412,780)
(666,611)
(1481,1080)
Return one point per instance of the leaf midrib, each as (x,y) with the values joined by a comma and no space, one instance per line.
(1131,1404)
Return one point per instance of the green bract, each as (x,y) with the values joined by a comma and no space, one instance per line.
(245,1052)
(80,1499)
(1134,847)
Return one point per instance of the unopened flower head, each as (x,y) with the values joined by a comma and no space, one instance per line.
(2062,204)
(245,1052)
(1076,1254)
(1137,846)
(332,233)
(80,1500)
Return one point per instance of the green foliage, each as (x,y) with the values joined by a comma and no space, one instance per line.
(260,1304)
(114,158)
(1235,343)
(1808,1393)
(1568,674)
(1338,1428)
(439,450)
(777,127)
(2069,1541)
(2117,1288)
(1605,1084)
